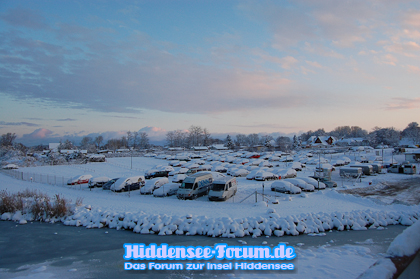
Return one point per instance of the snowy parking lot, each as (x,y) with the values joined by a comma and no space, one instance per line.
(255,211)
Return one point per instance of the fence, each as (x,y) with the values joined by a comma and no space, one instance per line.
(37,177)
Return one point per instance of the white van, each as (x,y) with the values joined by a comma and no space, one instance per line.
(223,189)
(195,185)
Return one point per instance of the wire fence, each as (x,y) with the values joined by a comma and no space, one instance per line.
(37,177)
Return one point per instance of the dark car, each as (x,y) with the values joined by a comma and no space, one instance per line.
(107,186)
(156,174)
(327,182)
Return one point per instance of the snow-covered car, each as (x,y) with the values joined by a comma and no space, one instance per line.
(10,167)
(327,182)
(240,173)
(283,186)
(153,184)
(168,189)
(79,179)
(314,182)
(178,171)
(265,175)
(252,174)
(128,183)
(220,168)
(286,173)
(107,186)
(297,166)
(156,173)
(178,178)
(301,184)
(98,181)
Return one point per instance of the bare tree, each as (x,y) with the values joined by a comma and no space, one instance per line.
(144,140)
(241,140)
(98,141)
(170,138)
(253,139)
(195,135)
(8,139)
(206,137)
(135,139)
(129,138)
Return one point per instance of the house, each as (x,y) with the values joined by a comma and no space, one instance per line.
(200,148)
(219,147)
(320,141)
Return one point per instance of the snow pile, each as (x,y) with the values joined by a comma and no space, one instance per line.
(407,243)
(383,268)
(270,224)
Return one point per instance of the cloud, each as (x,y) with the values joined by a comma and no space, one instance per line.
(387,59)
(413,69)
(18,124)
(41,133)
(404,48)
(23,17)
(138,79)
(66,119)
(412,19)
(314,64)
(404,103)
(154,133)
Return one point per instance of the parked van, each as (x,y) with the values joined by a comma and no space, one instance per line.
(376,167)
(351,171)
(366,169)
(223,189)
(195,185)
(409,169)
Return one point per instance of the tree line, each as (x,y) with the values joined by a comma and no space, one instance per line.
(198,136)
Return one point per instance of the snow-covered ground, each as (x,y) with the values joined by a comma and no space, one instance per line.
(311,212)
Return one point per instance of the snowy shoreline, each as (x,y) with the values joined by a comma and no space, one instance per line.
(269,225)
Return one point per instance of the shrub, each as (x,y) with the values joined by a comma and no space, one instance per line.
(37,203)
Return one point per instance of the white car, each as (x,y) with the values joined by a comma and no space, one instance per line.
(241,173)
(153,184)
(178,178)
(283,186)
(168,189)
(128,183)
(314,183)
(265,175)
(286,173)
(301,184)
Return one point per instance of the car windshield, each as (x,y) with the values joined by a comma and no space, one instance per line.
(187,185)
(218,187)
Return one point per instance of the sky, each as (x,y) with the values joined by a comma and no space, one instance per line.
(77,68)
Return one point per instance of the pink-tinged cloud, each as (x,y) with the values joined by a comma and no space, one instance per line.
(412,19)
(404,103)
(387,59)
(39,134)
(413,69)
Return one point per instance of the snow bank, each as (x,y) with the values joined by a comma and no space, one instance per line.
(384,269)
(269,224)
(407,243)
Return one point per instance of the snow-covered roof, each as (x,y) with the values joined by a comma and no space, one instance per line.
(219,147)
